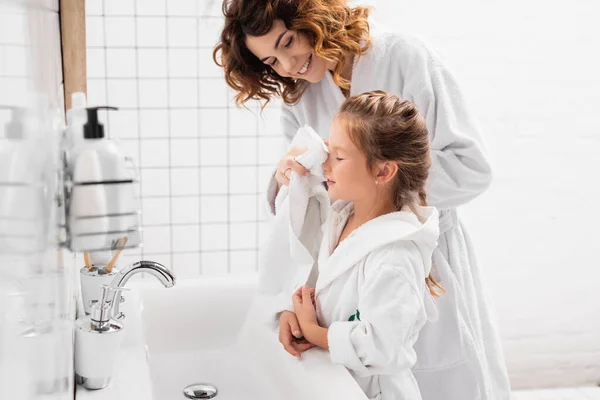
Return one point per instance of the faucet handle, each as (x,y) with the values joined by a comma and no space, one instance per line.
(101,311)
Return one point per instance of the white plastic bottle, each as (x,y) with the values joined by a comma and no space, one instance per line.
(102,187)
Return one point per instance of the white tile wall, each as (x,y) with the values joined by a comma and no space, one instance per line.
(198,155)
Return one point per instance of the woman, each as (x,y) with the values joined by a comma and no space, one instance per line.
(316,53)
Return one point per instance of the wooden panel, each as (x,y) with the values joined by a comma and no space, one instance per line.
(72,17)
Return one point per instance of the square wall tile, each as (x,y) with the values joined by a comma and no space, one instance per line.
(181,32)
(183,63)
(271,149)
(94,31)
(215,263)
(122,93)
(119,31)
(154,153)
(153,93)
(214,237)
(119,7)
(157,239)
(93,7)
(185,8)
(96,92)
(213,152)
(213,209)
(156,211)
(243,236)
(184,182)
(155,182)
(124,124)
(242,180)
(242,208)
(152,32)
(213,93)
(243,122)
(243,151)
(121,63)
(152,63)
(151,7)
(183,93)
(213,180)
(186,265)
(186,238)
(185,210)
(184,123)
(154,123)
(243,262)
(210,9)
(214,123)
(209,30)
(95,63)
(206,65)
(184,152)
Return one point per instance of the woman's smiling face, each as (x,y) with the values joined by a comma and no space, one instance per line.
(288,52)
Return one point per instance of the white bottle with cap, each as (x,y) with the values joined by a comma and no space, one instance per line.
(102,190)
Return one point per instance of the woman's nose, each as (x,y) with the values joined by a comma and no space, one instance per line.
(289,63)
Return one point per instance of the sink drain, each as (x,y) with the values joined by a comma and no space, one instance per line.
(200,391)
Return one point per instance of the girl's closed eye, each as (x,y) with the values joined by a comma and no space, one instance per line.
(289,42)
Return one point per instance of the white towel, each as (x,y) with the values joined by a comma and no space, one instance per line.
(290,253)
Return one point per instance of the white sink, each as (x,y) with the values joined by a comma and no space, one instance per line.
(192,335)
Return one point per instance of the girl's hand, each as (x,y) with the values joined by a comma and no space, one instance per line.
(290,335)
(288,164)
(304,306)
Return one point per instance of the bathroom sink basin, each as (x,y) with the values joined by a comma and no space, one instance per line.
(197,332)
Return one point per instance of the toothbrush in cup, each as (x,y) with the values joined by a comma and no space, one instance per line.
(120,245)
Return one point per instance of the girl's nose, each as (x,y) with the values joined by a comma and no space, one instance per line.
(325,164)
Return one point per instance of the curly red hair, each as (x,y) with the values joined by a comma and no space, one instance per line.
(334,29)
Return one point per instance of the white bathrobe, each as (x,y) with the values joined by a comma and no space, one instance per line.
(372,296)
(403,65)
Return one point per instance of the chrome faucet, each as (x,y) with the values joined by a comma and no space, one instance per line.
(153,268)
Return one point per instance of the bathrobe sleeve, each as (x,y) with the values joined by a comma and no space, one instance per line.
(460,170)
(290,126)
(391,313)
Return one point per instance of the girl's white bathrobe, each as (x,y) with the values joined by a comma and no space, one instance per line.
(460,172)
(371,295)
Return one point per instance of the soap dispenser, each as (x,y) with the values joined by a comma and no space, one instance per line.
(98,340)
(103,198)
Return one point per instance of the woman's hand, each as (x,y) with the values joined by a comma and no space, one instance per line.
(288,164)
(304,306)
(290,335)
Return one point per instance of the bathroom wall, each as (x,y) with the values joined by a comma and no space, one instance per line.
(36,290)
(530,71)
(203,162)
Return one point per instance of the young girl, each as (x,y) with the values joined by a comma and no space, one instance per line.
(372,294)
(313,54)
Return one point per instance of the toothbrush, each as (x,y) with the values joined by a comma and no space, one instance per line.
(88,260)
(120,244)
